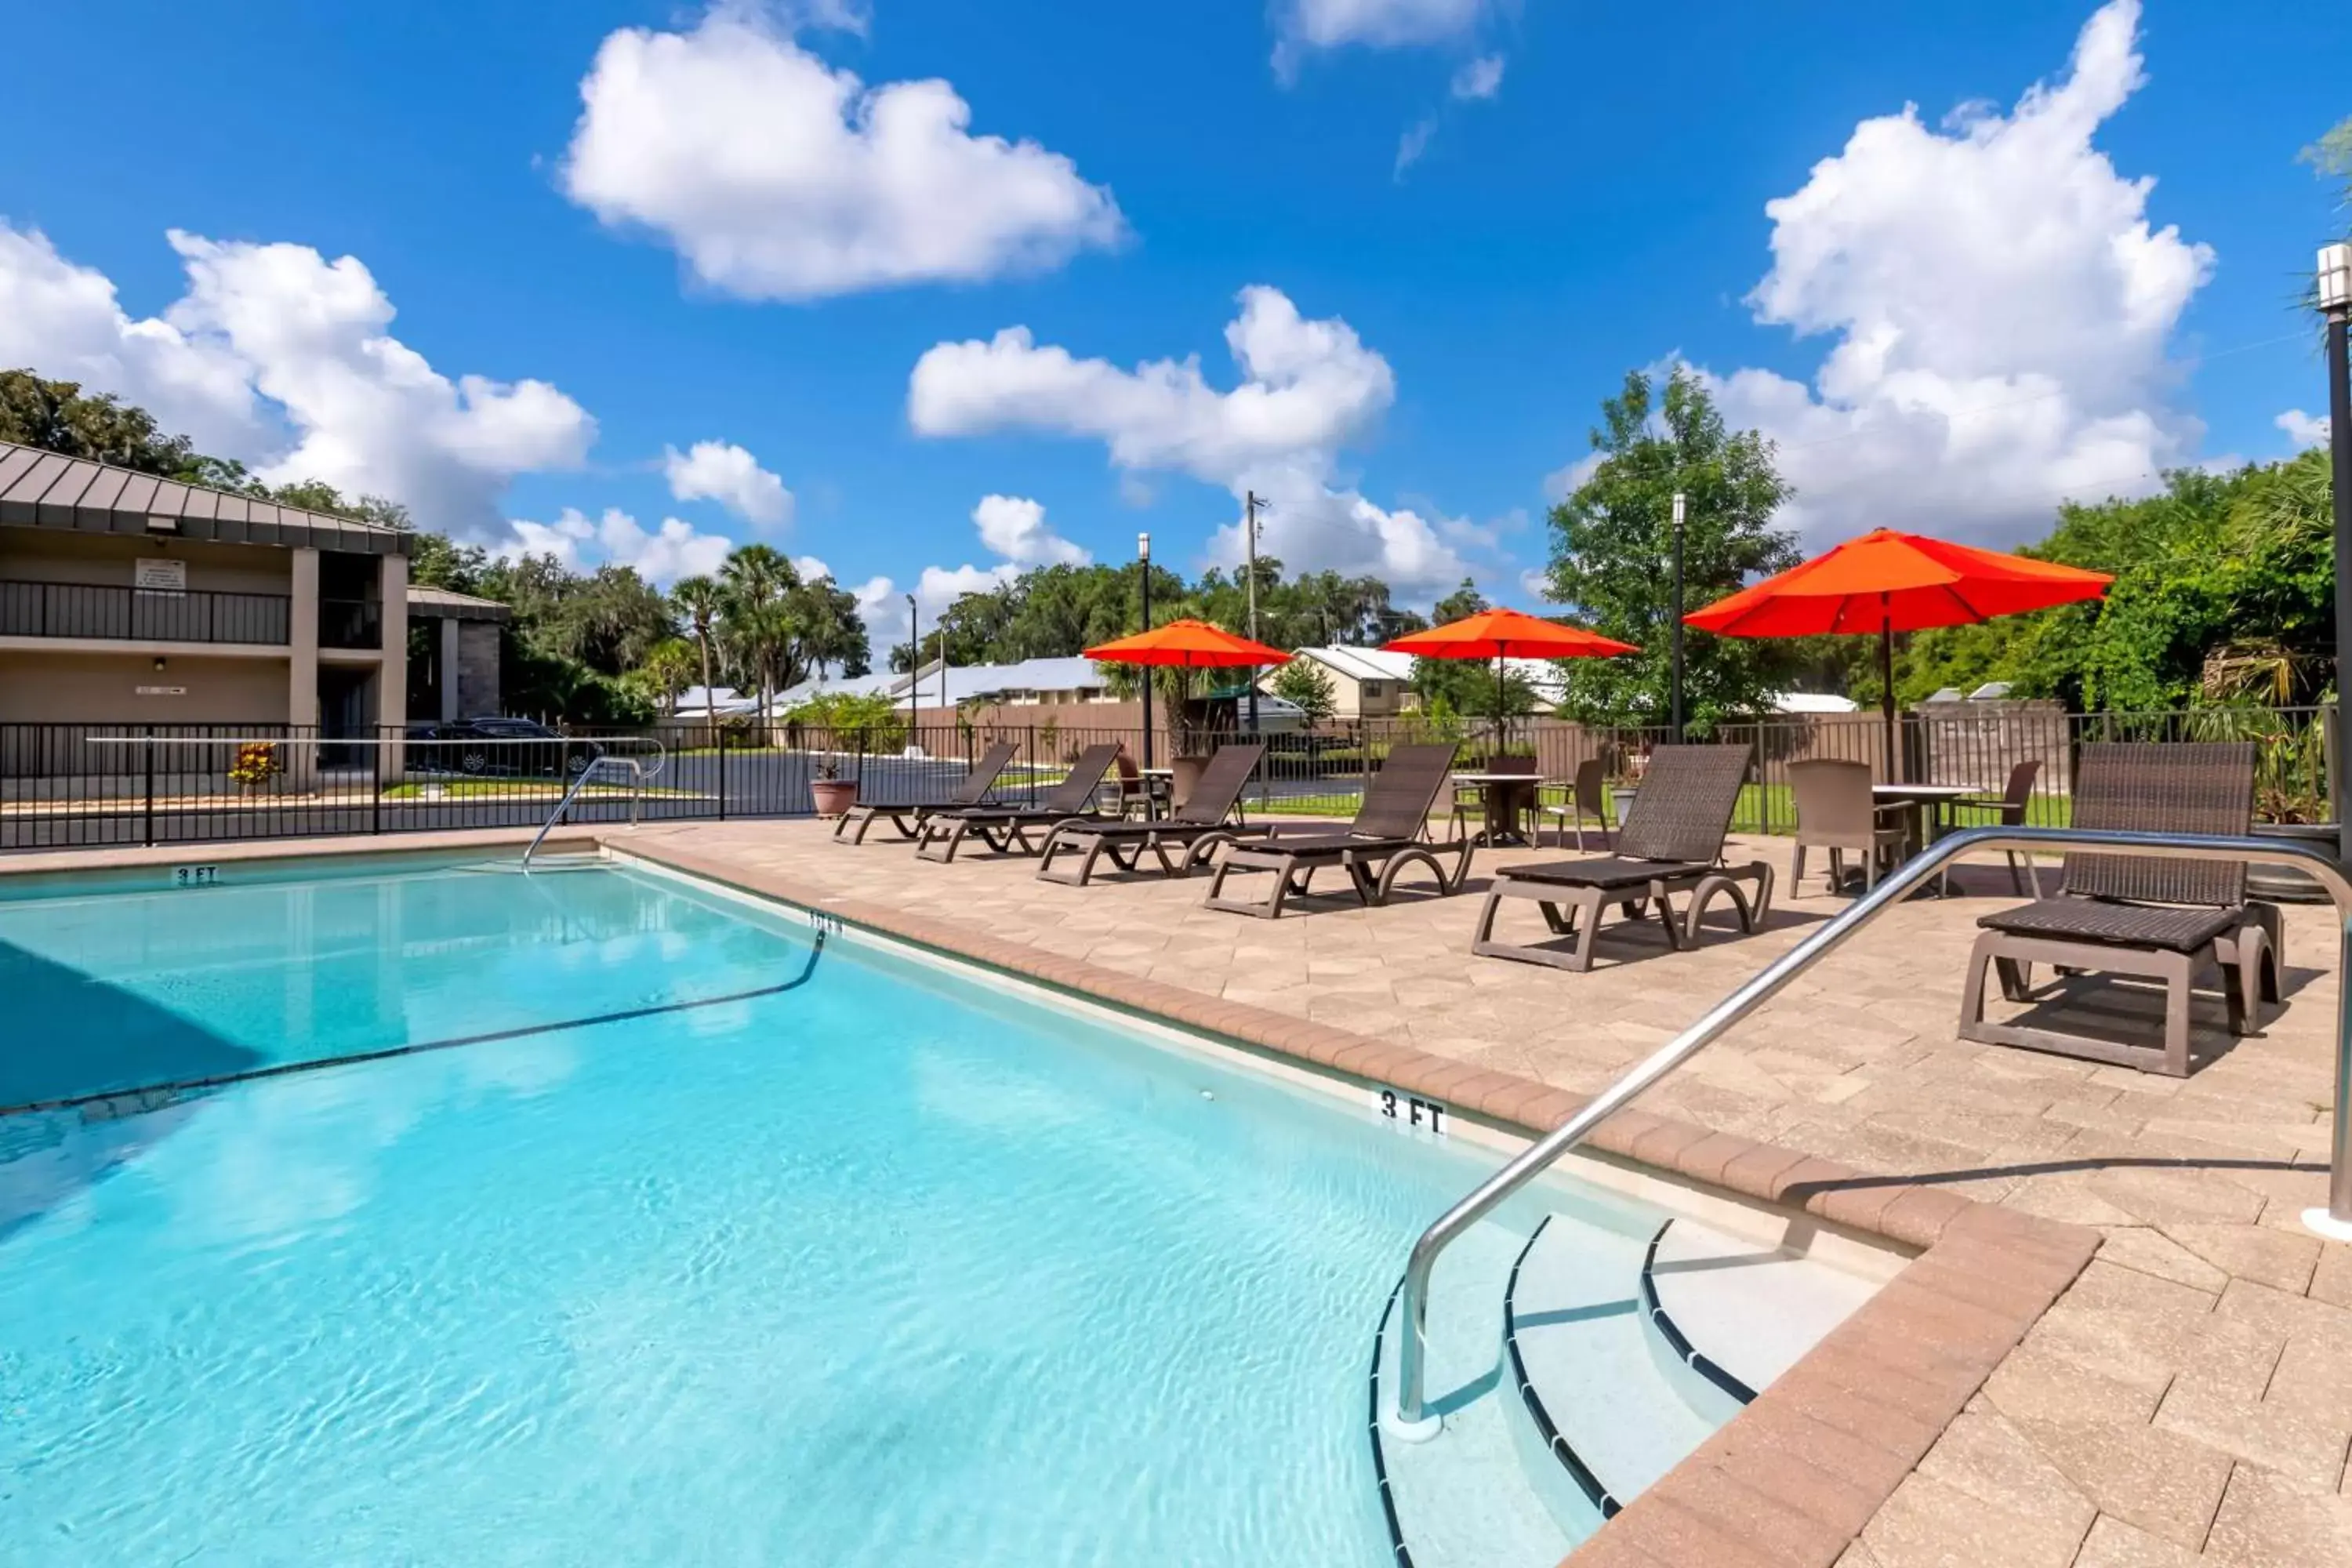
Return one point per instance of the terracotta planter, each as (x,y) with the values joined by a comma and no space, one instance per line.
(833,797)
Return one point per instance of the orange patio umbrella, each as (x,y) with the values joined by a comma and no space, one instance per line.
(1194,645)
(1499,634)
(1887,581)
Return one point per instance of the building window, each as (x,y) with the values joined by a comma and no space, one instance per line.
(1373,688)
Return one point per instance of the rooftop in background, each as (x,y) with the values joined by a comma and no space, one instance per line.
(1812,702)
(448,604)
(47,490)
(1077,680)
(1362,663)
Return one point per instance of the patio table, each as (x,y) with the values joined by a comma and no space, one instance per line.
(1502,802)
(1925,805)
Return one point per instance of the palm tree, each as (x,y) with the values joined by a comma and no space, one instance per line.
(755,578)
(699,599)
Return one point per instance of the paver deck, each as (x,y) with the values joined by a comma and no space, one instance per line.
(2188,1399)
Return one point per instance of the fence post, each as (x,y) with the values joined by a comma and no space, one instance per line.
(375,783)
(147,751)
(722,732)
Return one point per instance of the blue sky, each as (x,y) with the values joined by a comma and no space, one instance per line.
(1965,319)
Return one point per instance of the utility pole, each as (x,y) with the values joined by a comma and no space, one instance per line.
(2336,302)
(1675,687)
(1250,504)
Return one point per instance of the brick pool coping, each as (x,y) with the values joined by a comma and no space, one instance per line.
(1787,1483)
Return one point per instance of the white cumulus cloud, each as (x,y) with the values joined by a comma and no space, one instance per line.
(1327,24)
(726,473)
(1481,77)
(1999,304)
(1308,388)
(282,359)
(775,177)
(661,555)
(2303,429)
(1014,527)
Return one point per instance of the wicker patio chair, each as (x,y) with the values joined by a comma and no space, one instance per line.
(908,819)
(1389,835)
(1836,812)
(1672,842)
(2006,810)
(1006,829)
(1199,828)
(1580,798)
(2137,914)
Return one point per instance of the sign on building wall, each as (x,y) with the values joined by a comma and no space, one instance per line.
(154,574)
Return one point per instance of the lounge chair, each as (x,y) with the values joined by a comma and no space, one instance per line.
(1006,829)
(1389,835)
(2139,914)
(909,818)
(1198,828)
(1672,842)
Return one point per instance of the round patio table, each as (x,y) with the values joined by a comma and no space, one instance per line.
(1926,802)
(1502,802)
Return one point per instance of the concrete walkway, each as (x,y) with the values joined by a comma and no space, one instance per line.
(2190,1400)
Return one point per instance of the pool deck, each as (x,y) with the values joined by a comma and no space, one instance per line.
(2187,1399)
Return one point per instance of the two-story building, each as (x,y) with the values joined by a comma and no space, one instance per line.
(126,599)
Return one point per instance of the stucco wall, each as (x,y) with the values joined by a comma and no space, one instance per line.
(102,688)
(47,555)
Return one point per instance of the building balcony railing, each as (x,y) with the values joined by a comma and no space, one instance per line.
(106,611)
(351,624)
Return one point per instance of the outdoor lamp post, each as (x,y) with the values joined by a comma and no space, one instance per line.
(2335,303)
(1143,559)
(1675,685)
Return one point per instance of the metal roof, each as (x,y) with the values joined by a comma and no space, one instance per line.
(47,489)
(1362,663)
(448,604)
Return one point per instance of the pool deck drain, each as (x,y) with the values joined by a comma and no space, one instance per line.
(2187,1399)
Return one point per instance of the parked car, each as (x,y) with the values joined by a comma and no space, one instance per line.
(496,746)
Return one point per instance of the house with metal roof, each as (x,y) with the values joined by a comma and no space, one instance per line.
(1366,682)
(130,599)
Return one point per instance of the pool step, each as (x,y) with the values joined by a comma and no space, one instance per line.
(1574,1364)
(1464,1500)
(1593,1393)
(1737,1314)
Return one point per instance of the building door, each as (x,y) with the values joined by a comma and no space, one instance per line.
(346,713)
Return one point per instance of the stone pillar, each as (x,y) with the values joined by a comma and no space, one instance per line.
(303,670)
(391,671)
(446,667)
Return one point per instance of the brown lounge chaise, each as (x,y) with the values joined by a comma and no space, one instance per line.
(1198,828)
(1006,829)
(2140,914)
(1672,842)
(1389,835)
(909,818)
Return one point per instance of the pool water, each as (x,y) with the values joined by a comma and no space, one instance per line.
(879,1264)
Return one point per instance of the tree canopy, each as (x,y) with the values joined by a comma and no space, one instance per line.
(2224,591)
(1613,541)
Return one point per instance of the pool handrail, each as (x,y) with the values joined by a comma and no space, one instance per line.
(1408,1420)
(637,776)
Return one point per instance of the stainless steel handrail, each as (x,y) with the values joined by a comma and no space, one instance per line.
(636,794)
(1408,1420)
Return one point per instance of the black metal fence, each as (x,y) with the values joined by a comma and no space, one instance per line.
(89,785)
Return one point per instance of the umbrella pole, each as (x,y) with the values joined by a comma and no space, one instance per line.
(1886,690)
(1499,709)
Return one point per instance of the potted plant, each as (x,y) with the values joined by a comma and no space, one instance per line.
(256,765)
(834,795)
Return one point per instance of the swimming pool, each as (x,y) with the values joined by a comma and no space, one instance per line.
(871,1263)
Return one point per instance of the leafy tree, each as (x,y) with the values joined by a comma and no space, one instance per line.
(57,416)
(668,670)
(2221,575)
(1306,685)
(1613,541)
